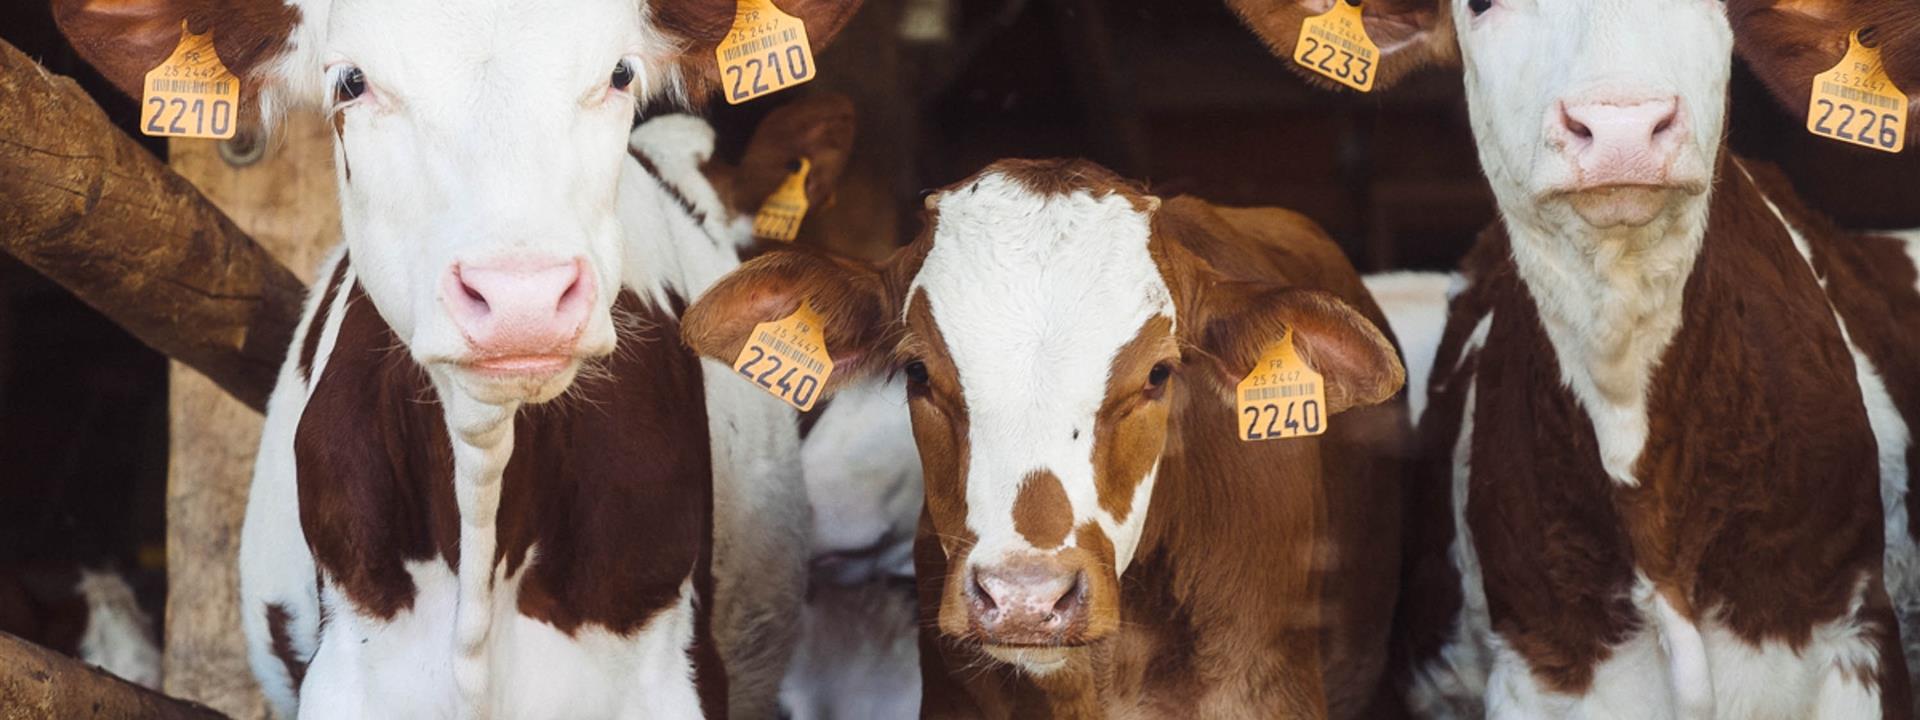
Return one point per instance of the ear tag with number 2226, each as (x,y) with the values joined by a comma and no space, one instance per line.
(765,52)
(788,357)
(779,217)
(190,94)
(1856,102)
(1335,44)
(1282,397)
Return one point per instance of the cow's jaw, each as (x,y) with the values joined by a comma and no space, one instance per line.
(1604,229)
(488,145)
(1031,297)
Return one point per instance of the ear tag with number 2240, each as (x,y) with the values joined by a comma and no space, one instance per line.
(765,52)
(1856,102)
(788,357)
(1335,44)
(1281,397)
(191,94)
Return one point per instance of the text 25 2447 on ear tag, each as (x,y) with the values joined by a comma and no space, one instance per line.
(1335,44)
(1856,102)
(779,217)
(765,52)
(191,94)
(1281,397)
(788,357)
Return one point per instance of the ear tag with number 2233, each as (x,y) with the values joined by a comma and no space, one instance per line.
(1856,102)
(1335,44)
(1281,397)
(191,94)
(765,52)
(788,357)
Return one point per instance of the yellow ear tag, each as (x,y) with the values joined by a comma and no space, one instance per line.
(1855,102)
(1335,44)
(788,357)
(779,217)
(191,94)
(765,52)
(1281,397)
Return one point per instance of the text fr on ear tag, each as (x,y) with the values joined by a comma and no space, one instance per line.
(191,94)
(1281,397)
(779,217)
(1335,44)
(788,357)
(765,52)
(1856,102)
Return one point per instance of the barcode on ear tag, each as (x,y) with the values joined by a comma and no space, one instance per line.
(788,357)
(765,52)
(779,217)
(1856,102)
(1281,397)
(191,94)
(1335,44)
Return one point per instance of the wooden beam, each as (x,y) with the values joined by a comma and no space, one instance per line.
(37,683)
(85,205)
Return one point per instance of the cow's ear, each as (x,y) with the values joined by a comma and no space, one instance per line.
(1411,34)
(700,25)
(1239,321)
(1786,43)
(818,128)
(849,295)
(124,39)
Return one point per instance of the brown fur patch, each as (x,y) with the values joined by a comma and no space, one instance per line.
(1130,432)
(310,344)
(1041,513)
(277,619)
(700,25)
(124,40)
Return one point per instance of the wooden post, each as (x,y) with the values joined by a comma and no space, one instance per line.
(287,201)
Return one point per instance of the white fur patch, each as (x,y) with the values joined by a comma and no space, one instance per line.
(1035,295)
(1416,307)
(119,635)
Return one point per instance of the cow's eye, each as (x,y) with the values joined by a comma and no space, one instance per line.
(1479,6)
(352,84)
(622,75)
(1157,379)
(916,372)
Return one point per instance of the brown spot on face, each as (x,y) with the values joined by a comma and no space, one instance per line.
(277,619)
(1102,578)
(939,428)
(1041,512)
(1063,176)
(1131,430)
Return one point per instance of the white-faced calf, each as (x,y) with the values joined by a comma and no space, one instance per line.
(423,538)
(1071,346)
(1672,407)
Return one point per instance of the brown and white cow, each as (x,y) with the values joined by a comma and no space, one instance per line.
(1671,407)
(1096,538)
(425,536)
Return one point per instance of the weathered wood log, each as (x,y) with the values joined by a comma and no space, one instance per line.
(40,684)
(88,207)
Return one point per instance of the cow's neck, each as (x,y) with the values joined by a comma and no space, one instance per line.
(1610,301)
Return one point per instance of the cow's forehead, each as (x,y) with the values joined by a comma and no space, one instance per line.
(1034,291)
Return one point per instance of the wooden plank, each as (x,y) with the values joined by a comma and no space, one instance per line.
(86,206)
(287,201)
(40,684)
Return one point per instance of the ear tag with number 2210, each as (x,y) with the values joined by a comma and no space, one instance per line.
(765,52)
(1335,44)
(788,357)
(190,94)
(1282,397)
(779,217)
(1856,102)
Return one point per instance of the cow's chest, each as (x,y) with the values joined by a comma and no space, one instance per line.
(409,665)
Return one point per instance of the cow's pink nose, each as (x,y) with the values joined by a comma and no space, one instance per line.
(1028,602)
(1613,143)
(519,308)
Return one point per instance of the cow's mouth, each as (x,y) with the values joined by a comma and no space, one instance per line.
(541,365)
(1034,658)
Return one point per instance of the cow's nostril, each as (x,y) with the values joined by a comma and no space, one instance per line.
(473,294)
(1072,597)
(980,594)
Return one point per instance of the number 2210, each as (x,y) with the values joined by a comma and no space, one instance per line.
(795,68)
